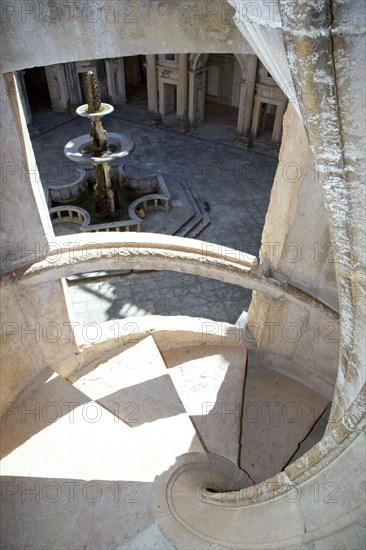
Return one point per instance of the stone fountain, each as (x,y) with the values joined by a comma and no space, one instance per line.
(99,150)
(121,195)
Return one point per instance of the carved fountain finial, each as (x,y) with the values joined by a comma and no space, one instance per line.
(92,91)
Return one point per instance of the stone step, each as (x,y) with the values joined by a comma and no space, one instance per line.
(168,223)
(57,430)
(278,413)
(193,227)
(315,434)
(205,219)
(136,387)
(210,382)
(79,459)
(73,474)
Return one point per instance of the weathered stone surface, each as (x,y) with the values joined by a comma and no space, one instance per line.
(127,29)
(35,329)
(322,54)
(278,413)
(23,239)
(210,383)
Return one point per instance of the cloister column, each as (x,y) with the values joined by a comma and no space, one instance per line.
(191,97)
(182,92)
(110,80)
(72,84)
(247,90)
(152,89)
(121,82)
(196,96)
(255,119)
(277,127)
(57,86)
(115,71)
(277,130)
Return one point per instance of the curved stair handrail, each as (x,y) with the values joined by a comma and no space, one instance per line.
(161,252)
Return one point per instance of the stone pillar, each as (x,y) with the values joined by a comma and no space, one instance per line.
(101,74)
(201,99)
(73,85)
(196,99)
(25,223)
(248,94)
(57,87)
(23,96)
(116,86)
(152,89)
(121,82)
(247,90)
(277,131)
(191,97)
(111,87)
(277,127)
(182,91)
(161,98)
(255,119)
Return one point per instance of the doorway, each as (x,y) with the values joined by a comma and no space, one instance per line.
(37,89)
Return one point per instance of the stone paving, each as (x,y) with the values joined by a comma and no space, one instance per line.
(235,183)
(158,293)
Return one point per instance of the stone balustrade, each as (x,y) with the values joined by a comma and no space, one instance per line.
(122,225)
(79,216)
(140,184)
(70,214)
(64,194)
(74,214)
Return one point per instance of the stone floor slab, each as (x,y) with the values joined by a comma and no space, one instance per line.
(278,413)
(210,383)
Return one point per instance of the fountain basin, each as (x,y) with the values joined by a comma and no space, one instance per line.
(105,109)
(79,149)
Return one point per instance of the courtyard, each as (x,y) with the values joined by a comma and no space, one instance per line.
(232,185)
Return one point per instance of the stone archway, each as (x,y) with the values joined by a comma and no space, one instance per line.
(198,68)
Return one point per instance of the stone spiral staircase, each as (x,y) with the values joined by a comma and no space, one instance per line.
(169,436)
(134,443)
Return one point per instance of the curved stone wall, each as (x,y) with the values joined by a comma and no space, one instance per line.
(318,53)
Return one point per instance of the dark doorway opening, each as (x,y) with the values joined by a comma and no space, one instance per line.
(37,89)
(136,81)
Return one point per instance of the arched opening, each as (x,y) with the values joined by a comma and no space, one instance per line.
(135,78)
(215,95)
(222,94)
(37,89)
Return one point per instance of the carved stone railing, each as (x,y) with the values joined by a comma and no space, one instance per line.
(150,251)
(70,214)
(132,178)
(123,225)
(64,194)
(149,203)
(74,214)
(79,216)
(159,252)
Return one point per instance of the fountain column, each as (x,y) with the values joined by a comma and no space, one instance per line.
(105,193)
(99,149)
